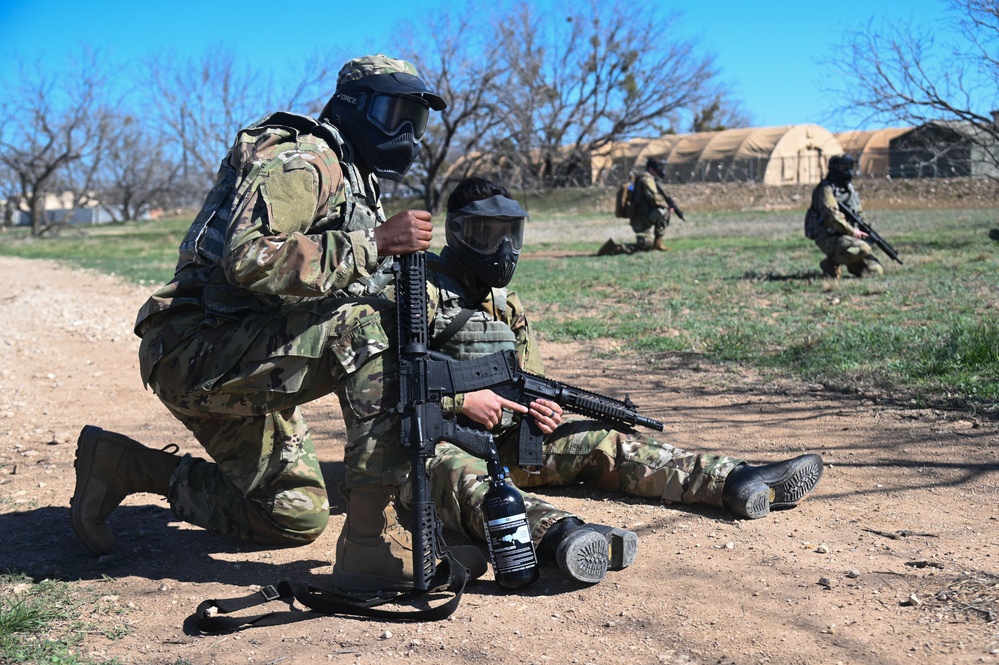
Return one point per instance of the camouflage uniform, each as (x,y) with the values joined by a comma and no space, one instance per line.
(651,212)
(267,311)
(826,224)
(578,451)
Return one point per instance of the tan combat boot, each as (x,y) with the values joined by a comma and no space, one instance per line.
(375,551)
(109,467)
(660,245)
(829,268)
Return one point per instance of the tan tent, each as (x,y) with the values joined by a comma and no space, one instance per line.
(612,163)
(870,148)
(789,154)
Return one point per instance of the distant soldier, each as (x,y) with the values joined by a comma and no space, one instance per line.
(651,207)
(841,242)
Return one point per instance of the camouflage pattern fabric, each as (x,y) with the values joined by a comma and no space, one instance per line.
(457,490)
(651,216)
(262,316)
(828,227)
(373,65)
(265,485)
(580,451)
(630,463)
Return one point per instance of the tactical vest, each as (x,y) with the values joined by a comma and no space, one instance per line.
(477,333)
(239,174)
(847,196)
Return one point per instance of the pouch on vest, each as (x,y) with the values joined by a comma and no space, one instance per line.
(624,201)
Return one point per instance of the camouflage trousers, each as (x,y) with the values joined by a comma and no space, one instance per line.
(648,231)
(855,254)
(263,483)
(578,451)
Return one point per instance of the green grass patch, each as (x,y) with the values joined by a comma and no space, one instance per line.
(741,288)
(45,622)
(746,290)
(138,252)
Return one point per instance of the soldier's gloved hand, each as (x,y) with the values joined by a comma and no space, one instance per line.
(404,233)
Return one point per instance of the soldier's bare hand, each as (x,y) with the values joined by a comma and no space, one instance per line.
(404,233)
(860,235)
(486,407)
(547,414)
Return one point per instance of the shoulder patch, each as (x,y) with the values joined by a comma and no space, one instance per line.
(290,196)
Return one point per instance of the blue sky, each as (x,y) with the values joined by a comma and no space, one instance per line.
(769,52)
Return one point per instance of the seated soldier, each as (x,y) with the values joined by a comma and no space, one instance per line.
(472,314)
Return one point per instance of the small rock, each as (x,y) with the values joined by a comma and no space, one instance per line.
(387,635)
(825,582)
(853,574)
(822,548)
(912,601)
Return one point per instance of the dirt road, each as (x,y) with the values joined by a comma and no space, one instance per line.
(894,558)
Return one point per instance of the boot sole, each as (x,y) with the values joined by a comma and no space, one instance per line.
(622,545)
(804,476)
(758,498)
(583,555)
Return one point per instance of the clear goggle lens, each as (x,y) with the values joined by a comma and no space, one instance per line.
(486,234)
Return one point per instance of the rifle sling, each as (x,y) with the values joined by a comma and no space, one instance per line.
(450,575)
(456,324)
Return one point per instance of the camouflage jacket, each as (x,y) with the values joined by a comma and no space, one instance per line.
(824,216)
(290,218)
(650,206)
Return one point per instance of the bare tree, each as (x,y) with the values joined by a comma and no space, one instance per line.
(49,123)
(576,82)
(136,176)
(201,103)
(720,114)
(909,74)
(450,61)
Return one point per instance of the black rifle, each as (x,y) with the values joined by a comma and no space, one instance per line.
(672,204)
(423,381)
(425,377)
(527,387)
(871,233)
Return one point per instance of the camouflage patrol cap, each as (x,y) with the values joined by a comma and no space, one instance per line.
(389,75)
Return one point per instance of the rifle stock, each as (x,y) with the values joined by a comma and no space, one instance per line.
(874,236)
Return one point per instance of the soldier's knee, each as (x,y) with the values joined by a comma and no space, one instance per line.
(295,528)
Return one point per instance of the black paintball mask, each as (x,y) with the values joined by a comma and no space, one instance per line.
(384,117)
(486,237)
(656,167)
(841,169)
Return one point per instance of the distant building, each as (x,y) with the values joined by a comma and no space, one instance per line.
(945,149)
(871,149)
(58,209)
(785,155)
